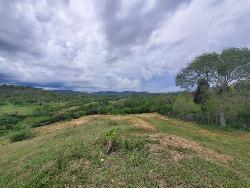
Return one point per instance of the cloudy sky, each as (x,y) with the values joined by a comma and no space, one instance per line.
(94,45)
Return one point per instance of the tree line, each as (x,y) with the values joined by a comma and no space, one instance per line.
(212,75)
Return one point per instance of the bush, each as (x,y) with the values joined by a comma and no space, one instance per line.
(2,103)
(112,141)
(37,121)
(8,122)
(244,119)
(20,135)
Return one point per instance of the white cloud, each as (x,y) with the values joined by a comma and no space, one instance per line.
(75,44)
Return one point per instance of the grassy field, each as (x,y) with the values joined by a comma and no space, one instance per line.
(152,151)
(17,109)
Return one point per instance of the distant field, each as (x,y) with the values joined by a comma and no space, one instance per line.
(154,151)
(19,109)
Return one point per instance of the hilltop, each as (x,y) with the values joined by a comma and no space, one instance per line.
(152,151)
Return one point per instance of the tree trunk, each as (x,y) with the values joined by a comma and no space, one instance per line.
(222,109)
(110,147)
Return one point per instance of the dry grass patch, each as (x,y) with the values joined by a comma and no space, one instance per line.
(179,144)
(141,123)
(135,121)
(62,125)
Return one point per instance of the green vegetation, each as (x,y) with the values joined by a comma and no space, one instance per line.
(221,71)
(20,134)
(39,107)
(46,107)
(113,142)
(17,109)
(77,156)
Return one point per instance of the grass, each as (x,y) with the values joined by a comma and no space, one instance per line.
(18,109)
(234,143)
(76,156)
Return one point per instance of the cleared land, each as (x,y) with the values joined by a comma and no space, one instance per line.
(160,152)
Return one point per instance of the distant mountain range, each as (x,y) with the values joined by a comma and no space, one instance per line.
(16,88)
(103,93)
(122,93)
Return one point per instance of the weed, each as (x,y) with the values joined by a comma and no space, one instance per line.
(114,141)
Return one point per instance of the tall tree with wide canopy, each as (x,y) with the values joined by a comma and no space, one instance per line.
(218,70)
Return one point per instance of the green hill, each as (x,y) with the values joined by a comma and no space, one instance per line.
(148,150)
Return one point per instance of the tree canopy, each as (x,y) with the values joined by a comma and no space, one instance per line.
(220,70)
(227,68)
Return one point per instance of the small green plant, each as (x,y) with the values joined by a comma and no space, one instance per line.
(111,140)
(112,135)
(20,135)
(114,141)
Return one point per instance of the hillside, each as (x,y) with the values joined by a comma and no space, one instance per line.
(32,107)
(151,151)
(21,94)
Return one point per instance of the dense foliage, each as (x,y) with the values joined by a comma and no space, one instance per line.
(221,72)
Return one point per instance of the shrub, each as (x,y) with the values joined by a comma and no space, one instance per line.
(37,121)
(112,141)
(126,110)
(20,135)
(2,103)
(244,118)
(8,122)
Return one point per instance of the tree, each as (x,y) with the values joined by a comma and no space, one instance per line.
(219,70)
(202,68)
(201,94)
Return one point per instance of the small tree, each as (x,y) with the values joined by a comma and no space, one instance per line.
(219,70)
(185,106)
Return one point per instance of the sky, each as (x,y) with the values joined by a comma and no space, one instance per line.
(118,45)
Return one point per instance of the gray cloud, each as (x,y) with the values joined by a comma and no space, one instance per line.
(113,44)
(135,27)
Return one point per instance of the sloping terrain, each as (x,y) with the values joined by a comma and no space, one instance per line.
(154,151)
